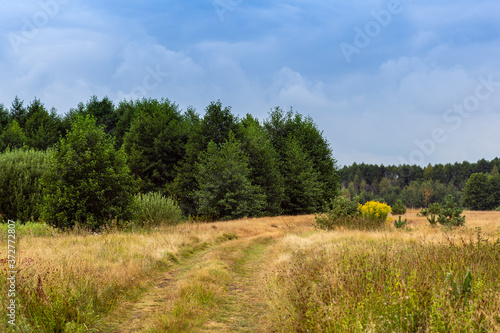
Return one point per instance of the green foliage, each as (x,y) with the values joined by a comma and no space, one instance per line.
(476,195)
(20,190)
(155,143)
(12,137)
(224,187)
(399,224)
(215,126)
(42,128)
(431,212)
(302,187)
(497,209)
(398,208)
(87,181)
(341,211)
(448,213)
(460,288)
(263,163)
(282,126)
(153,208)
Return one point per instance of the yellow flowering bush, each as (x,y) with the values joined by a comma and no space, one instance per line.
(374,210)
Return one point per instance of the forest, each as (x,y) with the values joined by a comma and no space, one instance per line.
(87,165)
(102,162)
(476,185)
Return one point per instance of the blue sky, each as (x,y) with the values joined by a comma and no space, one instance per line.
(389,82)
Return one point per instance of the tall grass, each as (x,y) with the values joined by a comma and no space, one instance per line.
(387,286)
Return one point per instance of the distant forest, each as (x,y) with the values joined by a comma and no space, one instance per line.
(418,186)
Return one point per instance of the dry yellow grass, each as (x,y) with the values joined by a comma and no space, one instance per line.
(92,273)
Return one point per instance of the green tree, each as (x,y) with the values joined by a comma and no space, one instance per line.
(224,187)
(4,117)
(12,137)
(87,181)
(103,111)
(302,188)
(215,126)
(42,128)
(263,163)
(281,125)
(475,192)
(155,143)
(20,190)
(18,112)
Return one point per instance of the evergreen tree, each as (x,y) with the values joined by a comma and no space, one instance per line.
(263,163)
(302,188)
(215,126)
(42,128)
(224,187)
(18,112)
(155,143)
(475,192)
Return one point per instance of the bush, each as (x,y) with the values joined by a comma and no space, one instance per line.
(375,212)
(398,208)
(87,182)
(399,224)
(20,191)
(431,213)
(341,211)
(448,213)
(154,208)
(498,209)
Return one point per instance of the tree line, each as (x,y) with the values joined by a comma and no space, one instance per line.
(217,166)
(473,184)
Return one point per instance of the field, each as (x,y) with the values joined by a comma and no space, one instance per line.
(259,275)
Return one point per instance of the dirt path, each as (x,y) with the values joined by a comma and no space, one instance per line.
(242,309)
(218,288)
(245,307)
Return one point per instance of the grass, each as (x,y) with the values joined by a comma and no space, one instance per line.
(263,275)
(349,281)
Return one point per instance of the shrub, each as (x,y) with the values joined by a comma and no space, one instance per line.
(87,182)
(20,191)
(376,211)
(400,223)
(398,208)
(498,209)
(154,208)
(448,213)
(341,211)
(431,213)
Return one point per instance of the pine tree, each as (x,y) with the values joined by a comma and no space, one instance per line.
(224,187)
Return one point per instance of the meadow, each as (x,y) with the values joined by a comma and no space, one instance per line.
(258,275)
